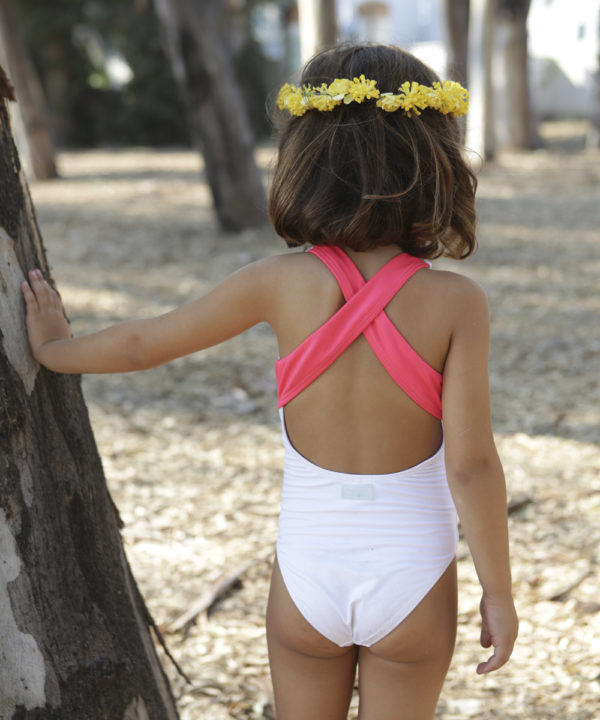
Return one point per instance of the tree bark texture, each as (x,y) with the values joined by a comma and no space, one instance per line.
(457,31)
(74,631)
(30,95)
(196,36)
(512,20)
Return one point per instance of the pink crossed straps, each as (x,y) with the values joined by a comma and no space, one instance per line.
(363,312)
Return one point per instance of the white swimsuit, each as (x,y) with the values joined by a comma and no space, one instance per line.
(358,553)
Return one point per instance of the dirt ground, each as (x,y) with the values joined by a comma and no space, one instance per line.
(192,450)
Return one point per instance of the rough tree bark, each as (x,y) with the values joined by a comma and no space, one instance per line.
(196,35)
(512,28)
(75,642)
(29,91)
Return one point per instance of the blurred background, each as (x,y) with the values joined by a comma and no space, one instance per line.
(113,73)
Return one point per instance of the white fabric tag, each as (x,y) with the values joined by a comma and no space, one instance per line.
(358,492)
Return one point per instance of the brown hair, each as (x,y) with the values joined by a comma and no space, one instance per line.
(362,177)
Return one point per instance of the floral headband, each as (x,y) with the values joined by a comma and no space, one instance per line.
(446,97)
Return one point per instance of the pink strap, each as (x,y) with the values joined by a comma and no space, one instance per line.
(362,313)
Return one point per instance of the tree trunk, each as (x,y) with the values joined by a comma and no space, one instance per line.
(75,642)
(593,136)
(197,43)
(318,26)
(56,81)
(326,24)
(512,21)
(480,131)
(457,31)
(30,95)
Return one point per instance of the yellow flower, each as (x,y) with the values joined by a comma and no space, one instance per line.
(434,96)
(322,103)
(414,97)
(389,102)
(292,99)
(454,98)
(361,89)
(447,97)
(283,94)
(339,87)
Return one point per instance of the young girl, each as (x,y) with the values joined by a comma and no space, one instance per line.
(382,387)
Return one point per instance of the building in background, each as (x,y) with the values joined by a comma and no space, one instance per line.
(565,54)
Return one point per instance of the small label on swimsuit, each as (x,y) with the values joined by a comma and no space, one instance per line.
(358,492)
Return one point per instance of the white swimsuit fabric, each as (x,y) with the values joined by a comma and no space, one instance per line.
(359,552)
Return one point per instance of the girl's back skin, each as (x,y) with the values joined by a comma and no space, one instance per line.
(352,419)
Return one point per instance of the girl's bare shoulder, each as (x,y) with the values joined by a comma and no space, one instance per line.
(454,281)
(294,272)
(458,292)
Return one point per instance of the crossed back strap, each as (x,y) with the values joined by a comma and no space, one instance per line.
(364,313)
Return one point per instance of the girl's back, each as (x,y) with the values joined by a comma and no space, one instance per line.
(354,417)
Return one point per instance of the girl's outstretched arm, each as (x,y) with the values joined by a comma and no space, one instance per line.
(475,475)
(239,302)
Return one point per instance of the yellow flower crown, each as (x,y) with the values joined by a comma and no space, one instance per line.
(445,97)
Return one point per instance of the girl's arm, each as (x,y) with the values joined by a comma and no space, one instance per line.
(239,302)
(475,475)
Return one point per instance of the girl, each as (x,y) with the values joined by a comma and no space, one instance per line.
(382,386)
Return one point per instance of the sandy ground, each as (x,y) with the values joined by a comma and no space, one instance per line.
(192,450)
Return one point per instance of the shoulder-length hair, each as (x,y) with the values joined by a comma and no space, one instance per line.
(361,177)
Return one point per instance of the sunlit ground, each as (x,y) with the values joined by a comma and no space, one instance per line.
(192,453)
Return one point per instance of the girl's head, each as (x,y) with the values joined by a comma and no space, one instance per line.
(361,177)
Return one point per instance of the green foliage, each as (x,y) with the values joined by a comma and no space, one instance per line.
(71,41)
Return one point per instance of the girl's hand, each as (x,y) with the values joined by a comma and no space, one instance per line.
(46,319)
(499,627)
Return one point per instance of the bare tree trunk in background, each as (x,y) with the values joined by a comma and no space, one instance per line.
(318,26)
(489,115)
(457,30)
(512,22)
(593,137)
(326,24)
(290,29)
(75,642)
(197,43)
(30,95)
(56,83)
(480,125)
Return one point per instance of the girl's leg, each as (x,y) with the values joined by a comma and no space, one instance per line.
(312,677)
(401,676)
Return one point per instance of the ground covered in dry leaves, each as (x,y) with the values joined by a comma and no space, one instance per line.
(192,450)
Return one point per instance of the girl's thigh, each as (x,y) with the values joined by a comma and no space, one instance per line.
(312,677)
(401,676)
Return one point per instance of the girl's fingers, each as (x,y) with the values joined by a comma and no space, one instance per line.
(30,298)
(39,296)
(44,294)
(37,282)
(496,661)
(485,638)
